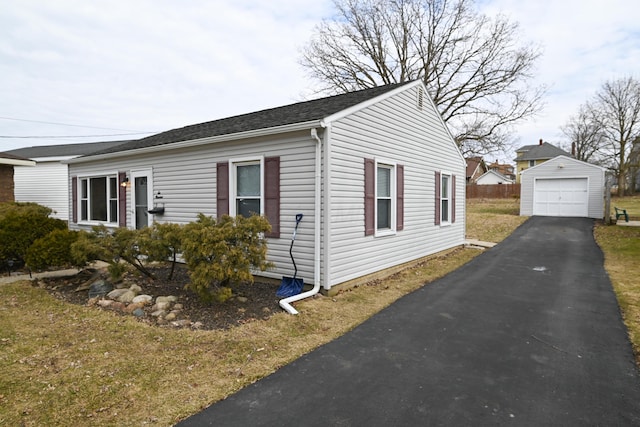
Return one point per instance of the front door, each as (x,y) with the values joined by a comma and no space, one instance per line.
(142,195)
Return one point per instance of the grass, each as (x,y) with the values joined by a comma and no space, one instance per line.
(62,364)
(630,203)
(621,247)
(492,220)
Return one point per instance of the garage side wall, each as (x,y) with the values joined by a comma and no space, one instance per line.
(562,168)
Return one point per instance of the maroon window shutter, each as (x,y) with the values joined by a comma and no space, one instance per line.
(438,204)
(400,197)
(74,199)
(453,198)
(272,194)
(222,189)
(369,196)
(122,200)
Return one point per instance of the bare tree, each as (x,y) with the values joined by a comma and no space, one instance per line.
(616,110)
(474,67)
(586,136)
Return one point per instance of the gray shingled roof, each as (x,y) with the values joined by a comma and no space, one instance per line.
(301,112)
(540,152)
(64,150)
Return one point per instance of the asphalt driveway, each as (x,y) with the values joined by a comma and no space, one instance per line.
(527,334)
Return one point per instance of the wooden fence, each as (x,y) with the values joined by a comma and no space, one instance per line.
(494,191)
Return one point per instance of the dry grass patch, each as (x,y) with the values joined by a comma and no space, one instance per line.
(630,203)
(62,364)
(492,220)
(621,246)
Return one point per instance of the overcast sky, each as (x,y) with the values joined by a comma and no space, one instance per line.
(128,66)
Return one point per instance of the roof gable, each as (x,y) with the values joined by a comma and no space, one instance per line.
(542,151)
(553,163)
(301,112)
(497,174)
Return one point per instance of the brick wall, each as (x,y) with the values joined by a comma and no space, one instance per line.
(6,183)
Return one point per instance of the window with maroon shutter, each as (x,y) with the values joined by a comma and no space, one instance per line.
(437,198)
(453,198)
(272,194)
(400,197)
(74,199)
(122,200)
(369,196)
(222,189)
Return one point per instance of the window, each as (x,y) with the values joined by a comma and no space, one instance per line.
(445,198)
(383,197)
(99,199)
(445,194)
(532,163)
(249,186)
(384,200)
(248,199)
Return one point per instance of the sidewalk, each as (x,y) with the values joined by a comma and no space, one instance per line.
(57,273)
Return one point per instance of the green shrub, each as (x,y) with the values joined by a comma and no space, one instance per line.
(220,253)
(161,242)
(120,244)
(52,250)
(21,224)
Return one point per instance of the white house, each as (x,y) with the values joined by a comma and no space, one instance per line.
(376,174)
(563,186)
(47,182)
(492,177)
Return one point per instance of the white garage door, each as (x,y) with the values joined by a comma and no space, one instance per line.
(561,197)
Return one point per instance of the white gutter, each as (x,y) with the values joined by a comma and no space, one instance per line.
(286,302)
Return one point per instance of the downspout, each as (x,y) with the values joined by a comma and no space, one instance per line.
(286,302)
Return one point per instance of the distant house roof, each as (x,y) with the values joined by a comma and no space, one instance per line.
(64,150)
(542,151)
(496,174)
(14,160)
(472,165)
(300,112)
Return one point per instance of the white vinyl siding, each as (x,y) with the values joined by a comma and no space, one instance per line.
(393,129)
(45,184)
(186,180)
(568,173)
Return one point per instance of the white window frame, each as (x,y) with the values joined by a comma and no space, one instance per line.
(392,166)
(449,198)
(233,179)
(110,222)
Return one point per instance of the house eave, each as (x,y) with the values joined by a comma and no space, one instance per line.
(17,162)
(256,133)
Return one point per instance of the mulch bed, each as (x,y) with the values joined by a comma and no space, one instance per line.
(250,301)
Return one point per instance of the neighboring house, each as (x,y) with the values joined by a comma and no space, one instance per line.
(503,169)
(492,177)
(8,163)
(376,174)
(532,155)
(563,186)
(47,182)
(475,168)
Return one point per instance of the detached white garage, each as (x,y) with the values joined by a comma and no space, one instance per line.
(563,186)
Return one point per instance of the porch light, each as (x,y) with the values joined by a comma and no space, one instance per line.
(125,182)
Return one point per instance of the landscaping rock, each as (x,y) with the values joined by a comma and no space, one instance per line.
(138,312)
(163,305)
(159,313)
(242,299)
(135,288)
(128,296)
(169,299)
(100,288)
(133,307)
(144,299)
(116,293)
(171,316)
(181,323)
(105,303)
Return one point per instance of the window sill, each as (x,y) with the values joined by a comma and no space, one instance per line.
(93,223)
(384,233)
